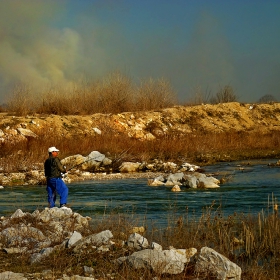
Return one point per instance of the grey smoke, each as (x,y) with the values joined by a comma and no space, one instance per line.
(37,48)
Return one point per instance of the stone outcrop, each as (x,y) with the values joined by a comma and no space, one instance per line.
(190,180)
(217,265)
(70,231)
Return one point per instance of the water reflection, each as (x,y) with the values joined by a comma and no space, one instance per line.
(249,190)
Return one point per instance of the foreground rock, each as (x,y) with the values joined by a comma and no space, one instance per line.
(217,265)
(57,229)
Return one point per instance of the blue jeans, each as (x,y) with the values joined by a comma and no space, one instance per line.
(56,185)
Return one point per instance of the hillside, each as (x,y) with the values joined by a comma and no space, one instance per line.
(149,124)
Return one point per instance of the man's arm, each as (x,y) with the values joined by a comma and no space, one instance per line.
(60,166)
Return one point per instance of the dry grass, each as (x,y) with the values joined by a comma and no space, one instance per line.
(200,148)
(251,241)
(114,94)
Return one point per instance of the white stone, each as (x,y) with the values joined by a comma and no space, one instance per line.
(26,132)
(11,275)
(97,130)
(156,246)
(76,236)
(137,241)
(167,261)
(18,214)
(211,261)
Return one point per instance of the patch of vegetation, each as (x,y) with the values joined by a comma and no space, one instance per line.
(250,241)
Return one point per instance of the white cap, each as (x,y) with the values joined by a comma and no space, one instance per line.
(53,149)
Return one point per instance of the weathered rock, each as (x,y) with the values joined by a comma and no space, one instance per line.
(54,213)
(88,270)
(137,241)
(97,130)
(97,239)
(15,250)
(27,132)
(211,262)
(106,161)
(200,180)
(161,261)
(37,257)
(76,236)
(174,179)
(18,214)
(8,275)
(93,161)
(156,246)
(176,188)
(22,234)
(127,167)
(73,161)
(189,167)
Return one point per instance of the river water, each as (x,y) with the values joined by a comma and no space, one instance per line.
(250,189)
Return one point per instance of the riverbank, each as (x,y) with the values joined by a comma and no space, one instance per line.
(199,135)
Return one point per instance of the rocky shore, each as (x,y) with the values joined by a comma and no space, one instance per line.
(39,235)
(157,173)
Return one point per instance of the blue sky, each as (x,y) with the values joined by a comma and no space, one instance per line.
(196,45)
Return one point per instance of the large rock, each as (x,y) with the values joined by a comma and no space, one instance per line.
(59,223)
(73,161)
(137,241)
(37,257)
(26,132)
(8,275)
(97,239)
(76,236)
(211,262)
(127,167)
(91,162)
(160,261)
(174,179)
(200,180)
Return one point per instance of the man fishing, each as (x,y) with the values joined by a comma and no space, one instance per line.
(55,184)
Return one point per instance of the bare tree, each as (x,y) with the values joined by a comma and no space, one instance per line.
(224,95)
(268,98)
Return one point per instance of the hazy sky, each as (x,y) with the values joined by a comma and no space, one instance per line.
(194,44)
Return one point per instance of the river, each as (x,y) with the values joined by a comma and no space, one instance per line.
(250,189)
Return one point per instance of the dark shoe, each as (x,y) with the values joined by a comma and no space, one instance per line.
(63,205)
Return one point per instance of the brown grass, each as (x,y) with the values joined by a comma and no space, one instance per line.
(200,148)
(113,94)
(251,241)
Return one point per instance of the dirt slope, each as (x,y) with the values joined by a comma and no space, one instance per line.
(151,124)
